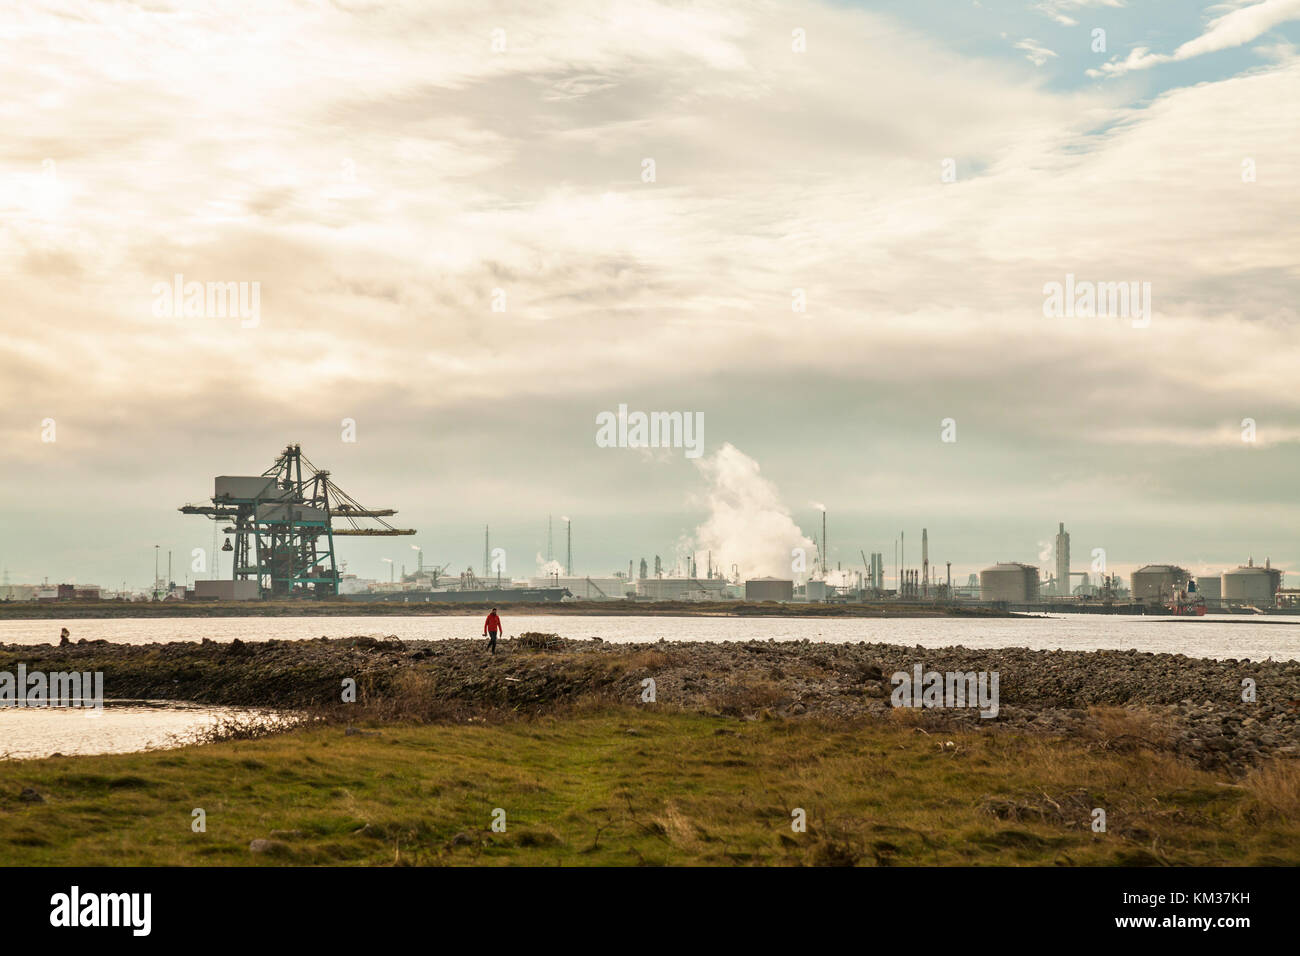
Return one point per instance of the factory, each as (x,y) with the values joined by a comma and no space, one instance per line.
(681,589)
(1010,582)
(280,528)
(769,589)
(1152,583)
(1251,586)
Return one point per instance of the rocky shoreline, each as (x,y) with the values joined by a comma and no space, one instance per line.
(1189,706)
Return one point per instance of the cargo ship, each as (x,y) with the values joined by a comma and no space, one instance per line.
(1186,602)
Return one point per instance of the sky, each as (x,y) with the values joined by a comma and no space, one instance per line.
(828,231)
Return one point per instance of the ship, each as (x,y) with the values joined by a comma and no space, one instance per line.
(1186,602)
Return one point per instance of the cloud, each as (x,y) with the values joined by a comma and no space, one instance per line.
(1232,29)
(1035,52)
(382,174)
(1056,9)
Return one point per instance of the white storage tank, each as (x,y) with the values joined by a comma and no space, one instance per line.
(1011,582)
(1250,584)
(1155,583)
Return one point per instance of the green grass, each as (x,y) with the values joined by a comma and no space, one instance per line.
(629,787)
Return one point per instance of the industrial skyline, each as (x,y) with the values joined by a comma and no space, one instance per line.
(678,561)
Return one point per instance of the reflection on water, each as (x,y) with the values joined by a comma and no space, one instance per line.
(27,732)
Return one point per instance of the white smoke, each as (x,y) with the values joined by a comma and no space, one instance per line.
(547,568)
(842,578)
(748,525)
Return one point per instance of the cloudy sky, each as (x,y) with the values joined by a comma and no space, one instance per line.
(475,226)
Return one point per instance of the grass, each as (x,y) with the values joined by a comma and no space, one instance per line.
(627,787)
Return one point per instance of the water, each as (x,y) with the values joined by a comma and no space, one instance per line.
(27,732)
(1217,636)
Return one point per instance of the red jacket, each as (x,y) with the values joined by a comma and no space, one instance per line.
(493,623)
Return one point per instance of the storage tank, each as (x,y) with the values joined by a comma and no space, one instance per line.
(1253,585)
(1211,589)
(1154,583)
(1011,582)
(769,589)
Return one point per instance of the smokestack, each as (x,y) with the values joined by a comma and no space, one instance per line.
(825,554)
(925,561)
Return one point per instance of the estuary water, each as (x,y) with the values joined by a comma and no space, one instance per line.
(1215,635)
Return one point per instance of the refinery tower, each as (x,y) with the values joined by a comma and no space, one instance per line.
(1062,561)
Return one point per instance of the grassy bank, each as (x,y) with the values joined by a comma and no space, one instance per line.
(629,786)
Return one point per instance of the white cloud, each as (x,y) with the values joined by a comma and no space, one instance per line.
(381,173)
(1035,52)
(1057,9)
(1232,29)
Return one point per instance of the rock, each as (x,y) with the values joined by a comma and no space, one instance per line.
(30,796)
(462,839)
(266,846)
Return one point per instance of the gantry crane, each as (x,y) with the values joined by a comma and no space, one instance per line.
(283,525)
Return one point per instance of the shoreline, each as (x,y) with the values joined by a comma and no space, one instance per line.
(1193,705)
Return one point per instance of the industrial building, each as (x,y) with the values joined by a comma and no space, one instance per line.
(587,587)
(681,589)
(226,591)
(1154,583)
(1252,585)
(1011,582)
(769,589)
(1211,589)
(1062,561)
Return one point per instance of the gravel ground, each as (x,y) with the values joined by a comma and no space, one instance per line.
(1192,706)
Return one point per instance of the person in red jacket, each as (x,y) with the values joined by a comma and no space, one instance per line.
(491,628)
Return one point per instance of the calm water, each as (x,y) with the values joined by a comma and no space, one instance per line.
(27,732)
(1255,637)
